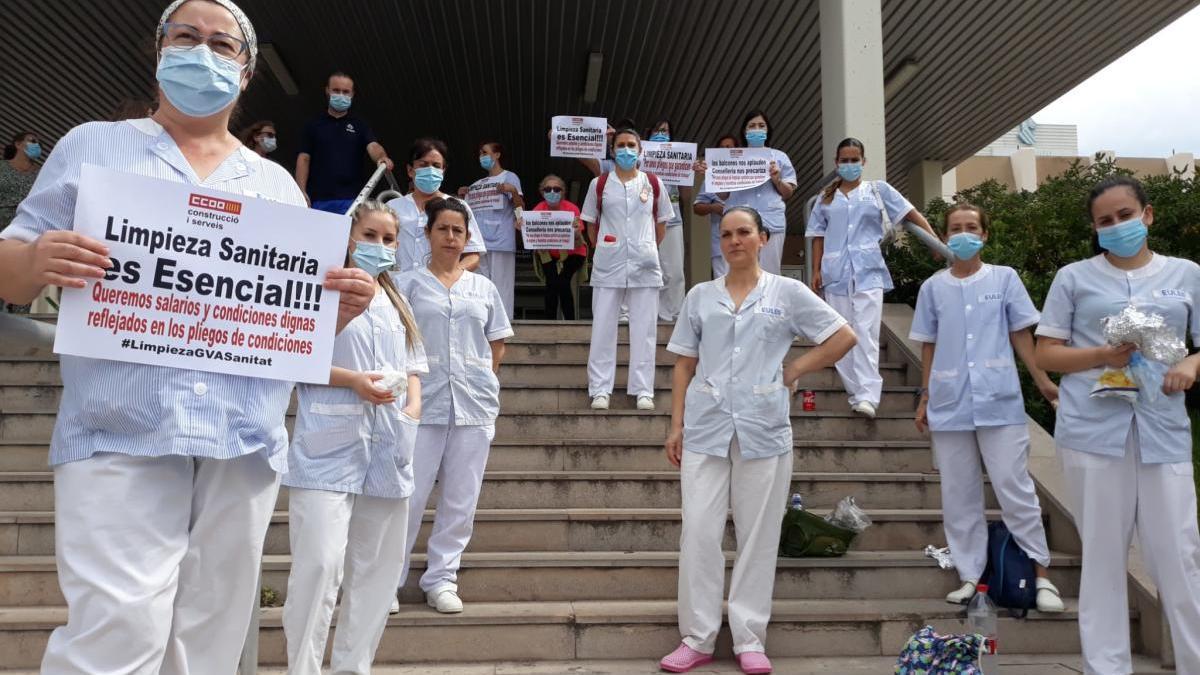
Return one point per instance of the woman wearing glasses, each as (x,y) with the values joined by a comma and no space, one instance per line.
(558,268)
(165,478)
(260,137)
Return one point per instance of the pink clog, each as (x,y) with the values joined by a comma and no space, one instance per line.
(754,663)
(684,658)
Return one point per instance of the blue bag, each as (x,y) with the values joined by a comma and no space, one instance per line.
(1009,575)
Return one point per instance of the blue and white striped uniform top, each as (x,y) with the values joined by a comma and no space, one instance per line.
(1082,294)
(136,409)
(765,198)
(413,251)
(457,325)
(738,386)
(852,226)
(345,444)
(973,380)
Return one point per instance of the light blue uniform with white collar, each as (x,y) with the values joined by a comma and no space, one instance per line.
(852,227)
(973,381)
(738,385)
(345,444)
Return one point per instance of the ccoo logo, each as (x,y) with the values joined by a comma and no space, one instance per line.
(214,204)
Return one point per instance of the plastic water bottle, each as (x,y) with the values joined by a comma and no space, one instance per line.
(797,502)
(982,618)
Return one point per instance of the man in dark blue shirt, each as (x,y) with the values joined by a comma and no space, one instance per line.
(329,168)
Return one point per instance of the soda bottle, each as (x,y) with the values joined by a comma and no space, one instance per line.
(982,618)
(797,502)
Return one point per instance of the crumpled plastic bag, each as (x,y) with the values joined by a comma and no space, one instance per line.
(394,381)
(847,515)
(941,555)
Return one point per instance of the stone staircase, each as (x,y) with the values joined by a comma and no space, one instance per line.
(575,553)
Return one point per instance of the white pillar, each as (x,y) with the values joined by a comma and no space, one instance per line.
(925,183)
(1184,161)
(852,80)
(950,184)
(1024,168)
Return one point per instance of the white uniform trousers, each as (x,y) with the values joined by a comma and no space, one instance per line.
(720,266)
(501,268)
(770,256)
(859,368)
(331,534)
(757,490)
(670,258)
(643,328)
(1110,496)
(1005,451)
(456,457)
(158,559)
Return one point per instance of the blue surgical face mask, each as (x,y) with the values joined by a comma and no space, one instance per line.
(964,245)
(339,102)
(552,198)
(660,137)
(428,179)
(33,150)
(373,258)
(756,138)
(1123,240)
(486,162)
(850,172)
(198,82)
(269,143)
(626,158)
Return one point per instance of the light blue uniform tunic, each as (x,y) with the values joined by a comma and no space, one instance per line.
(973,381)
(852,227)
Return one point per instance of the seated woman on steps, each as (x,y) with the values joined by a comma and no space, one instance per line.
(969,319)
(731,436)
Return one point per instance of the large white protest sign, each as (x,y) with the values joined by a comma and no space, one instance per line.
(670,161)
(485,194)
(736,168)
(204,280)
(548,230)
(580,137)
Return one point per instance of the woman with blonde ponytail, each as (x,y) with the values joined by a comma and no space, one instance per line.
(350,468)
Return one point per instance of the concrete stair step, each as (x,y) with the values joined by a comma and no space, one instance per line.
(581,454)
(45,371)
(530,530)
(30,581)
(618,425)
(34,491)
(644,629)
(519,349)
(36,398)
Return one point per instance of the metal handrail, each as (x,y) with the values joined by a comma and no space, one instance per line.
(22,336)
(365,193)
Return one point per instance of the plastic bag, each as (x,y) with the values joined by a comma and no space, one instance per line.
(393,381)
(1117,383)
(941,555)
(1149,376)
(847,515)
(928,653)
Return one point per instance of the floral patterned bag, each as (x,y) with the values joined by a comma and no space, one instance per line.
(928,653)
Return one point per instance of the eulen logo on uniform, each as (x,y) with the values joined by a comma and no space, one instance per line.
(214,204)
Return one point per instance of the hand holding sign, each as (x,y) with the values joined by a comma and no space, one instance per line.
(68,259)
(578,137)
(736,168)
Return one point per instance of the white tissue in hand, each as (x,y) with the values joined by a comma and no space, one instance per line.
(393,381)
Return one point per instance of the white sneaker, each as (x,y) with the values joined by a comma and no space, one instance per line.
(1048,599)
(645,403)
(864,408)
(963,595)
(395,608)
(445,601)
(600,402)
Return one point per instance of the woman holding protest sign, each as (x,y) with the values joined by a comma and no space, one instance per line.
(165,478)
(350,468)
(731,436)
(627,212)
(497,200)
(712,204)
(768,199)
(426,169)
(463,324)
(846,226)
(558,268)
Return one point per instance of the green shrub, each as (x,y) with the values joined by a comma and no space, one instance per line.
(1037,233)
